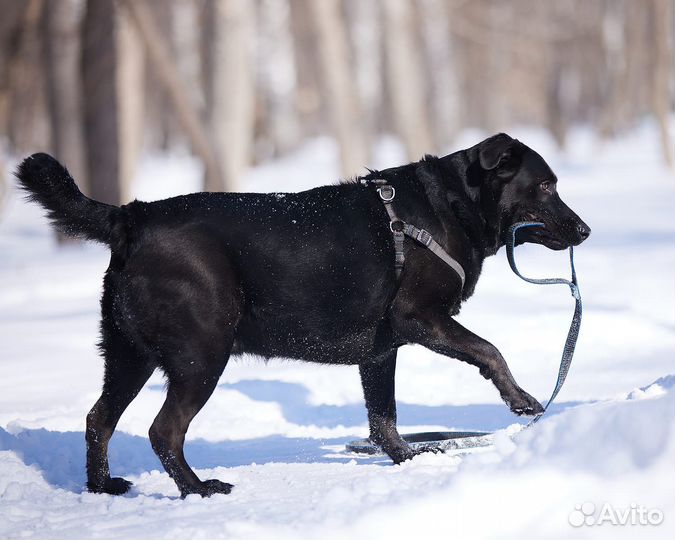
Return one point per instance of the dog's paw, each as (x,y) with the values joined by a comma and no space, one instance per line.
(525,405)
(111,486)
(403,453)
(400,457)
(210,487)
(216,486)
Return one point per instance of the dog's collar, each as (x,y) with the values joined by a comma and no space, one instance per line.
(400,229)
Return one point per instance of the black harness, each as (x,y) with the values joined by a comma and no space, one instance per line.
(400,229)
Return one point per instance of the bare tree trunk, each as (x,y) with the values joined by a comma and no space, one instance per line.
(27,128)
(338,83)
(278,81)
(101,104)
(11,28)
(61,46)
(615,48)
(309,97)
(557,118)
(130,83)
(3,181)
(365,25)
(473,68)
(186,34)
(230,97)
(663,64)
(160,121)
(174,86)
(500,13)
(442,71)
(405,78)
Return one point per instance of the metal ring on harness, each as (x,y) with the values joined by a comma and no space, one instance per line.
(451,440)
(393,224)
(389,197)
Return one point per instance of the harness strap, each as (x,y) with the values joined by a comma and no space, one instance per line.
(401,229)
(387,194)
(424,238)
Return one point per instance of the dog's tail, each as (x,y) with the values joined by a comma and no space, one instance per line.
(49,184)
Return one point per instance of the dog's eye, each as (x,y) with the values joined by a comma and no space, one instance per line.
(546,186)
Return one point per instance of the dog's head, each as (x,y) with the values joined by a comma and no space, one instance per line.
(522,187)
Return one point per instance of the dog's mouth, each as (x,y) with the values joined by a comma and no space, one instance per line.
(540,235)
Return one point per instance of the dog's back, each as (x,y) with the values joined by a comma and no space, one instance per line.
(300,275)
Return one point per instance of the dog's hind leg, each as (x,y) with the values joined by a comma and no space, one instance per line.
(125,374)
(189,388)
(185,300)
(377,379)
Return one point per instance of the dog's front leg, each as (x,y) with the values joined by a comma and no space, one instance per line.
(377,378)
(441,333)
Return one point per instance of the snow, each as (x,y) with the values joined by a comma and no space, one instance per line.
(277,430)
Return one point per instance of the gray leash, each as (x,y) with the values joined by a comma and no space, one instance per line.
(573,334)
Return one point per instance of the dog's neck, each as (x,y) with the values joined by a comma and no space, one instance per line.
(460,186)
(455,193)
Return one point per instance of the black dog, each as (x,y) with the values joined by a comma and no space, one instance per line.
(311,276)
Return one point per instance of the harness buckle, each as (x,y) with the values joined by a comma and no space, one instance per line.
(423,237)
(386,193)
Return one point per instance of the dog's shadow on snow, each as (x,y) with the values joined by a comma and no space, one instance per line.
(60,456)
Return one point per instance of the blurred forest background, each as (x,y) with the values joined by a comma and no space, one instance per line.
(238,82)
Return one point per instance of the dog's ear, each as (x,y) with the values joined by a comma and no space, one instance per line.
(495,150)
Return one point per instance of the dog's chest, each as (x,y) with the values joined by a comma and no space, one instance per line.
(339,341)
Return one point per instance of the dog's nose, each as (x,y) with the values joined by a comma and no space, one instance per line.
(583,230)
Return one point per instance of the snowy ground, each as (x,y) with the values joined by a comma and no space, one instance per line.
(277,431)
